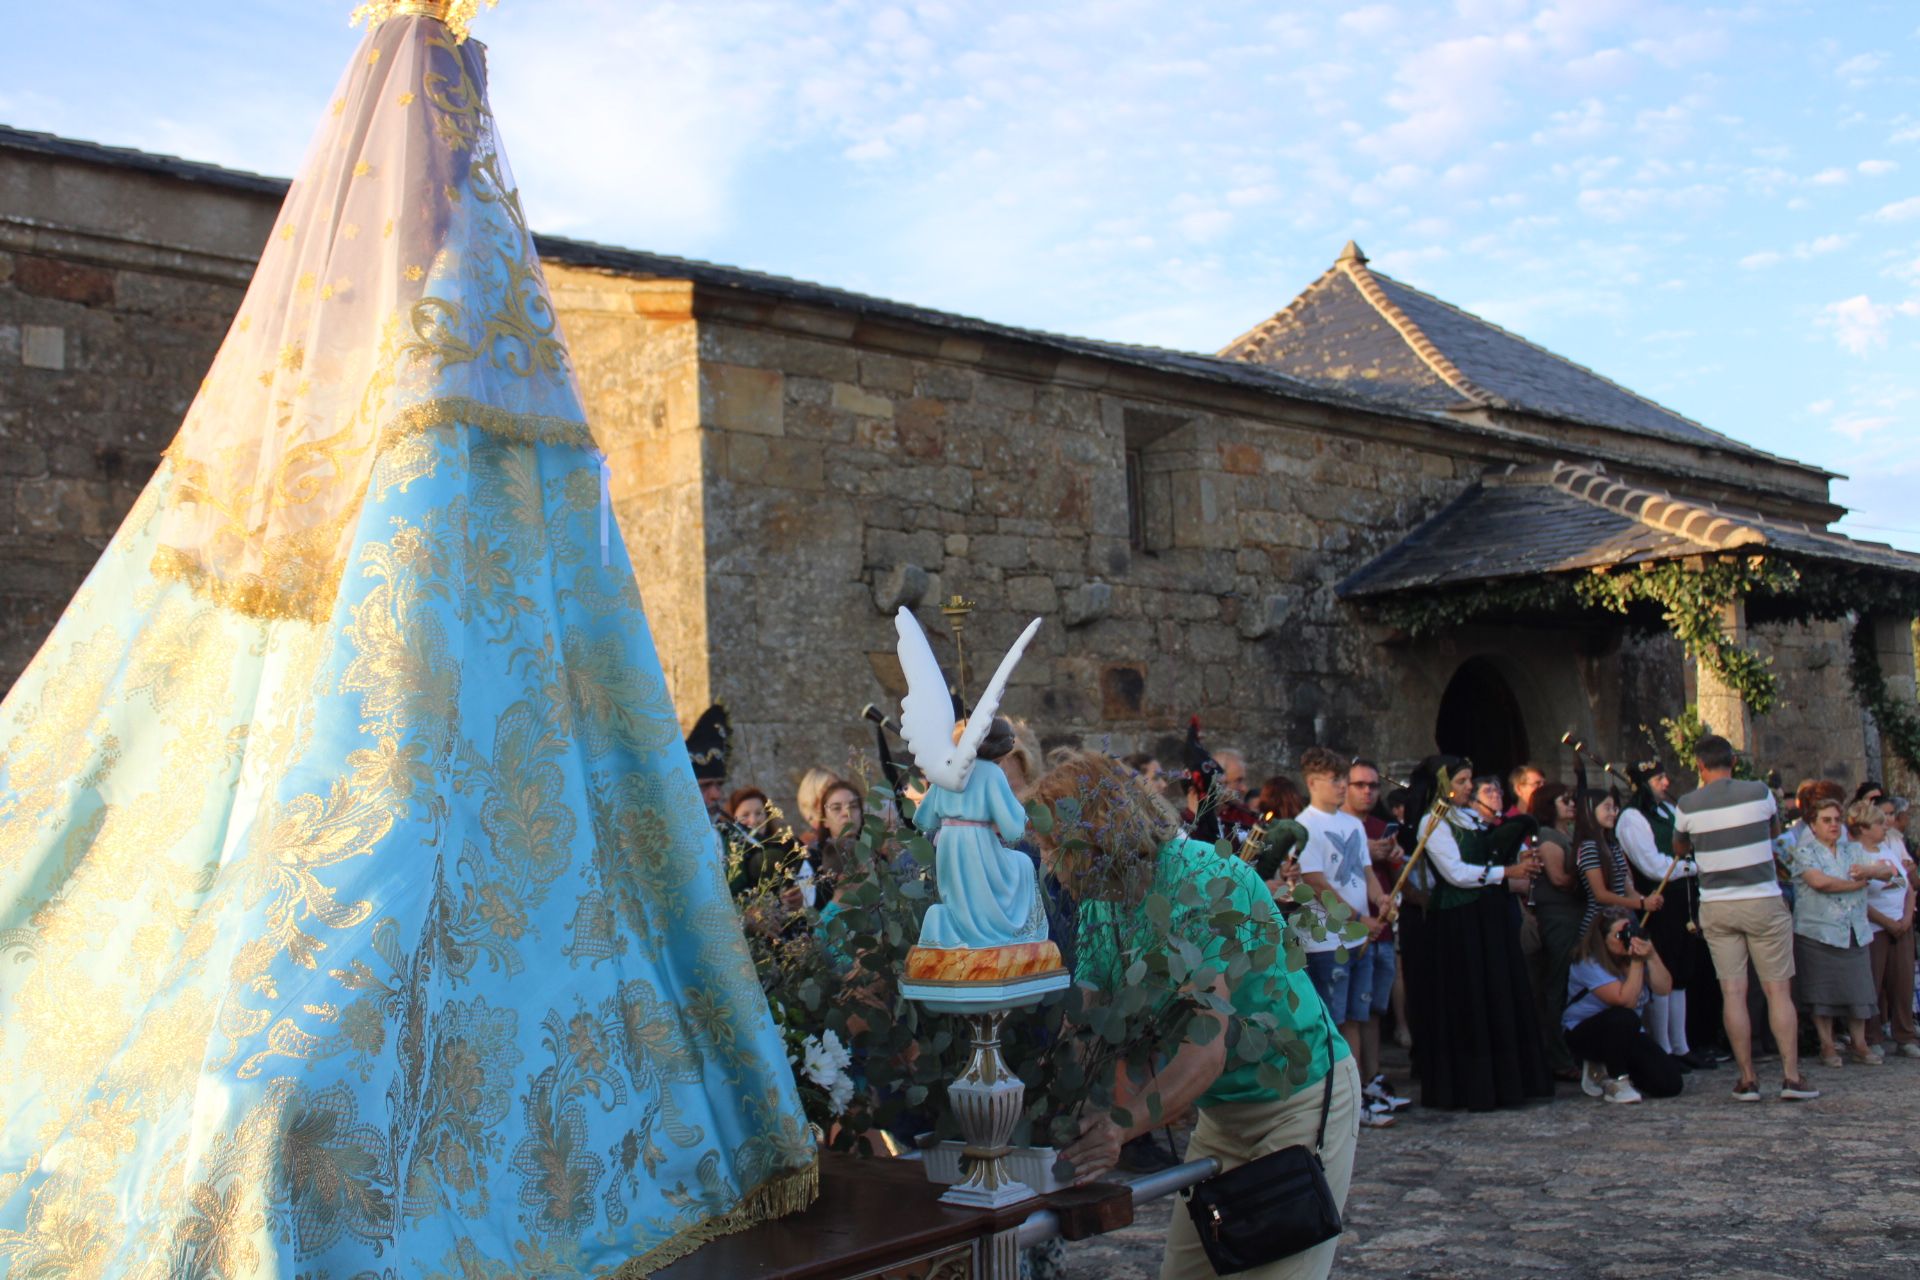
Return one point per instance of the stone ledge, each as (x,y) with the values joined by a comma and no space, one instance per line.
(72,244)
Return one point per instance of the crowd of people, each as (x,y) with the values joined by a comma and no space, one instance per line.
(1511,932)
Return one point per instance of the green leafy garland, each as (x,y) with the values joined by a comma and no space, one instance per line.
(1692,599)
(1898,723)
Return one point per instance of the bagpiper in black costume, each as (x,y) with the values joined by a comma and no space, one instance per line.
(1476,1031)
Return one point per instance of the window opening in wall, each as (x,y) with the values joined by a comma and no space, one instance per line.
(1136,505)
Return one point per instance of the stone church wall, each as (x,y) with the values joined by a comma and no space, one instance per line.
(849,478)
(1817,730)
(635,351)
(115,291)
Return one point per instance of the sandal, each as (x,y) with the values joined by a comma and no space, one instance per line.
(1870,1057)
(1830,1059)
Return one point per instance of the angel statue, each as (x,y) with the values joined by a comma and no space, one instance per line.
(989,894)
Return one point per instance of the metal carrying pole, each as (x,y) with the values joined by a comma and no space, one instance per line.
(1044,1224)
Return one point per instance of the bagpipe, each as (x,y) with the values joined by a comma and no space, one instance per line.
(1271,843)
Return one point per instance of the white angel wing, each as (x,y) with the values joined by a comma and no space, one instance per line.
(981,718)
(926,713)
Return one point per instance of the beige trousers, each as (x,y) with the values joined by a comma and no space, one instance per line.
(1235,1133)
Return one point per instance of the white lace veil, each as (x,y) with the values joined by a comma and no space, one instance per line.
(381,309)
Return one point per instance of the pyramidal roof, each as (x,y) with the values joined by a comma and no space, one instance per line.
(1361,331)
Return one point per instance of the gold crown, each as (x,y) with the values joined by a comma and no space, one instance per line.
(458,15)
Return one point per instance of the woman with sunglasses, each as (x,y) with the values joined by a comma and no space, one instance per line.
(1615,972)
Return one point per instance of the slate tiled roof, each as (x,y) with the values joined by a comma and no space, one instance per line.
(1558,518)
(1357,328)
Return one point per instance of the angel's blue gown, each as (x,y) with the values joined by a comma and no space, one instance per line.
(988,893)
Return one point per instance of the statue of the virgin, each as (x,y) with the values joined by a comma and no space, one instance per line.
(360,912)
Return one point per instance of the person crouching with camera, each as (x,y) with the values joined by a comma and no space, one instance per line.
(1615,972)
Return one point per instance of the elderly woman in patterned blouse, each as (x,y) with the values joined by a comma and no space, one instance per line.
(1833,976)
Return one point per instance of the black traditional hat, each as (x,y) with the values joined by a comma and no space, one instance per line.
(1641,774)
(710,743)
(1429,782)
(1202,768)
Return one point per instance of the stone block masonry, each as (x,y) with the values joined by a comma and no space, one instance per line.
(97,367)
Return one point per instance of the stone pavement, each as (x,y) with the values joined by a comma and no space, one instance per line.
(1697,1185)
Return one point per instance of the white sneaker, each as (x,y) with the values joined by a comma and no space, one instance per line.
(1593,1080)
(1620,1089)
(1376,1091)
(1909,1050)
(1371,1118)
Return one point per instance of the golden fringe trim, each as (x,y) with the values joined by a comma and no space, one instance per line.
(249,594)
(780,1195)
(450,411)
(256,597)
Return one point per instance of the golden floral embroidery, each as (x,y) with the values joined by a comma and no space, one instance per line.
(470,1088)
(291,844)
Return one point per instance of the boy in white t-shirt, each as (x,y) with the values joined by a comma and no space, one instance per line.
(1335,860)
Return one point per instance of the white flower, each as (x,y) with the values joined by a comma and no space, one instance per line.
(824,1061)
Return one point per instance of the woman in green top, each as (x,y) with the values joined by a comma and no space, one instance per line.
(1123,846)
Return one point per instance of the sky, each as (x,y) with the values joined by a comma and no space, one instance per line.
(1715,205)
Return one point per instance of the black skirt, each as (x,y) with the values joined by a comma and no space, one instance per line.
(1480,1039)
(1416,963)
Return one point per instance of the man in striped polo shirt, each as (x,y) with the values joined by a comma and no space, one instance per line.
(1727,828)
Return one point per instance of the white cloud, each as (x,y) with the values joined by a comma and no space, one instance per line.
(1877,168)
(1814,248)
(1899,210)
(1620,204)
(1583,123)
(1829,177)
(1820,408)
(1370,22)
(1205,224)
(1857,427)
(1671,125)
(1861,66)
(1859,324)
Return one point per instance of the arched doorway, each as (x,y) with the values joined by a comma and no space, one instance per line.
(1480,719)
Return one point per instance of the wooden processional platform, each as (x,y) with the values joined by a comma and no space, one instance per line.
(880,1219)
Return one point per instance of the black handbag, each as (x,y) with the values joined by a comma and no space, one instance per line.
(1270,1208)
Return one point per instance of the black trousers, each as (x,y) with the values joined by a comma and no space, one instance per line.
(1617,1037)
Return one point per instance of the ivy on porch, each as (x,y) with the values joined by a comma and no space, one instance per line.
(1692,598)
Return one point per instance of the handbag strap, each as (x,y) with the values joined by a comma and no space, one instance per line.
(1326,1093)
